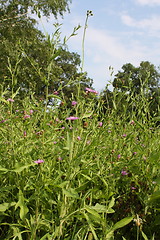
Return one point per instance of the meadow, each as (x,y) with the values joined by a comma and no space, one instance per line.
(77,173)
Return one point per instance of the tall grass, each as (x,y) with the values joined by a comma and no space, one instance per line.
(94,176)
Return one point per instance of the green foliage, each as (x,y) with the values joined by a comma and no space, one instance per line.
(92,179)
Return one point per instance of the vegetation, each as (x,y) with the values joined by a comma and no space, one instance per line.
(74,164)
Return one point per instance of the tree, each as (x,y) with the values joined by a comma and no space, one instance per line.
(139,84)
(134,79)
(31,61)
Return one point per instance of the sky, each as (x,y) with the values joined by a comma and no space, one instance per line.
(119,32)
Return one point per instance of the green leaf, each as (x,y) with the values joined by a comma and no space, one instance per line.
(122,223)
(70,193)
(154,196)
(21,203)
(21,168)
(100,208)
(87,115)
(92,211)
(5,206)
(144,235)
(3,169)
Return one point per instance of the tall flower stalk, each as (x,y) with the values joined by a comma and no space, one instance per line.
(89,13)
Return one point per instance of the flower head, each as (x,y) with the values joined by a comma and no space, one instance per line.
(26,116)
(100,124)
(124,173)
(74,103)
(10,100)
(39,161)
(72,118)
(91,90)
(79,138)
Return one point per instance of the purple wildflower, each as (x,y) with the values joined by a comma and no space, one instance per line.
(133,188)
(10,100)
(4,120)
(72,118)
(79,138)
(26,116)
(134,153)
(39,161)
(31,111)
(74,103)
(100,124)
(24,133)
(54,142)
(119,156)
(124,173)
(91,90)
(132,122)
(124,135)
(55,92)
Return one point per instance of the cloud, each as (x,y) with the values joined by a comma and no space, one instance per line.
(148,2)
(149,24)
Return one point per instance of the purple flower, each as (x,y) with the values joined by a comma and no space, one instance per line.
(24,133)
(26,116)
(132,122)
(100,124)
(119,156)
(124,135)
(4,120)
(39,161)
(79,138)
(54,142)
(74,103)
(55,93)
(124,173)
(10,100)
(134,153)
(133,188)
(31,111)
(91,90)
(72,118)
(63,127)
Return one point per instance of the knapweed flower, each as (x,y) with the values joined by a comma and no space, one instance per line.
(55,92)
(124,173)
(26,116)
(119,156)
(31,111)
(54,142)
(79,138)
(90,90)
(72,118)
(134,153)
(39,161)
(132,122)
(24,133)
(10,100)
(100,124)
(124,135)
(74,103)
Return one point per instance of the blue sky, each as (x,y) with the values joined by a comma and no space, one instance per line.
(119,32)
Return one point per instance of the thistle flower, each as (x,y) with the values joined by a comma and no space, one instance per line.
(124,173)
(26,116)
(10,100)
(72,118)
(74,103)
(90,90)
(39,161)
(100,124)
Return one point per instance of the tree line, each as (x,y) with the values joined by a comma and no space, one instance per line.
(33,62)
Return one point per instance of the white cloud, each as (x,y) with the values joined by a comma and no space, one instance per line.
(148,2)
(149,24)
